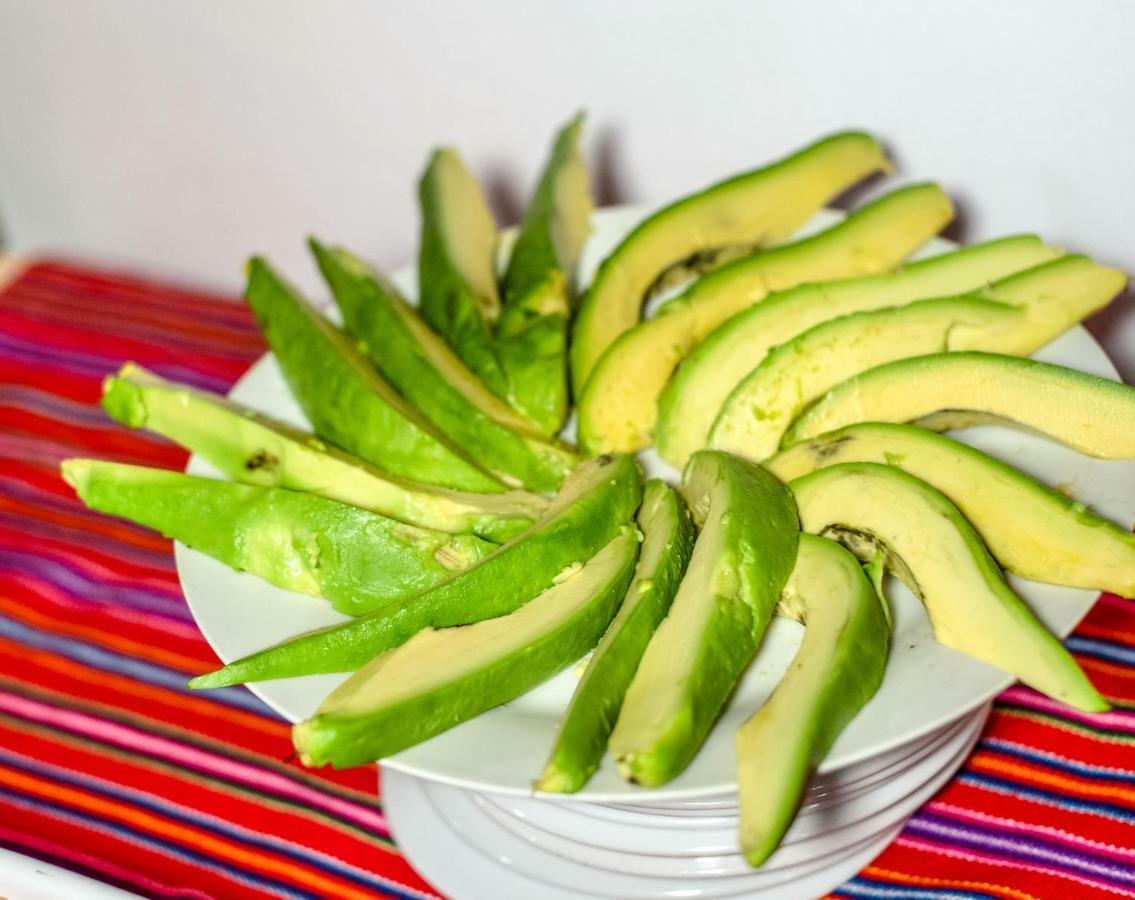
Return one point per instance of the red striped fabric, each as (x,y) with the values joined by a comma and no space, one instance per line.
(109,766)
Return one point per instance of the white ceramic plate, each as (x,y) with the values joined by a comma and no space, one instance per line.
(926,686)
(476,845)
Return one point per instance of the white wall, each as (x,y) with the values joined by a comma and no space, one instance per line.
(183,135)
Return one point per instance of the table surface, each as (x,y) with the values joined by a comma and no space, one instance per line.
(111,768)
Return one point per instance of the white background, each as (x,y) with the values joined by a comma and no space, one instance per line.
(181,136)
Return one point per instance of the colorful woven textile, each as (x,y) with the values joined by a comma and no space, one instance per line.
(109,766)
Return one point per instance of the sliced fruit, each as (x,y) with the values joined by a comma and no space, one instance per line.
(620,402)
(252,448)
(1032,530)
(936,552)
(942,391)
(837,669)
(442,677)
(345,399)
(596,500)
(752,210)
(537,286)
(741,560)
(356,559)
(792,376)
(698,390)
(1028,310)
(457,286)
(427,373)
(668,540)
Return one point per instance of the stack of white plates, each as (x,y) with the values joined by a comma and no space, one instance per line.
(461,803)
(484,844)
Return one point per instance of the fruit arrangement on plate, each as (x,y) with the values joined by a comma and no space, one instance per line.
(801,385)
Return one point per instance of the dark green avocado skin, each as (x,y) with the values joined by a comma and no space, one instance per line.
(345,399)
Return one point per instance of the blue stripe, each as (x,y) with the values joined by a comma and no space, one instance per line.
(867,887)
(54,406)
(1052,761)
(108,661)
(186,816)
(249,879)
(90,588)
(1101,649)
(1050,798)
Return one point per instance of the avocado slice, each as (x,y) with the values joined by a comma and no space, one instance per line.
(457,285)
(1030,529)
(442,677)
(356,559)
(593,504)
(698,390)
(937,553)
(249,447)
(668,540)
(942,391)
(345,399)
(837,669)
(426,372)
(761,408)
(537,289)
(741,561)
(754,209)
(620,402)
(1016,315)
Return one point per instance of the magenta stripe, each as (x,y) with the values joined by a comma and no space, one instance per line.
(227,768)
(178,625)
(1113,721)
(926,846)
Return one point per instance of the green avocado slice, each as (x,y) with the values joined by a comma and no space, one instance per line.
(1016,315)
(620,402)
(1032,530)
(937,553)
(252,448)
(356,559)
(537,286)
(668,539)
(442,677)
(942,391)
(345,399)
(593,504)
(427,373)
(740,562)
(698,390)
(457,286)
(837,669)
(754,209)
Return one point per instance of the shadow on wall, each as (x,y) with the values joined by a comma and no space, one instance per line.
(508,198)
(1110,322)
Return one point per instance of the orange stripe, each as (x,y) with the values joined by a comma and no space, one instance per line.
(132,686)
(1114,634)
(185,835)
(103,526)
(100,636)
(1096,665)
(906,878)
(1065,783)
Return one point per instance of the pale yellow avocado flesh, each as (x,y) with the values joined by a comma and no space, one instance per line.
(837,669)
(698,390)
(619,404)
(944,562)
(1032,530)
(756,209)
(437,656)
(957,390)
(466,213)
(1044,301)
(796,374)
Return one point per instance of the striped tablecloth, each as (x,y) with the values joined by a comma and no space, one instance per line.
(110,767)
